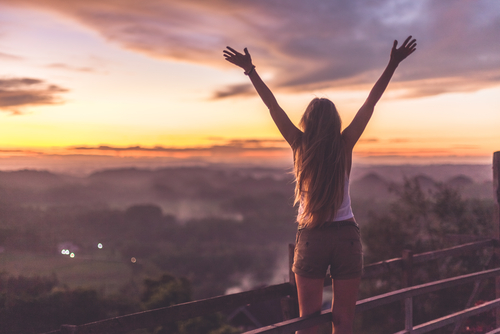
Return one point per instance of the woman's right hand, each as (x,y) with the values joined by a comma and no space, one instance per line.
(242,60)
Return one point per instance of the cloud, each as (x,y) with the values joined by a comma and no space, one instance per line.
(244,89)
(7,56)
(231,147)
(307,45)
(399,140)
(368,140)
(63,66)
(18,93)
(406,152)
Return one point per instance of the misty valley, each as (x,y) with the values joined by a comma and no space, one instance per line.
(119,241)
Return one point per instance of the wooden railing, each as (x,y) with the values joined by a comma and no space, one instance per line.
(160,316)
(387,298)
(287,293)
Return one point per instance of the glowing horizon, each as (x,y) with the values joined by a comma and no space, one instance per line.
(149,80)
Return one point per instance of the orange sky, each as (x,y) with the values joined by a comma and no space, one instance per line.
(147,79)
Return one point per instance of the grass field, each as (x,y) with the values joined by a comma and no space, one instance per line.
(105,275)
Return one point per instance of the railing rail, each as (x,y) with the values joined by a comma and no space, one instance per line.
(378,268)
(452,318)
(393,296)
(177,312)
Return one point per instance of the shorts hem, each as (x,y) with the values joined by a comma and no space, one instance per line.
(307,275)
(347,277)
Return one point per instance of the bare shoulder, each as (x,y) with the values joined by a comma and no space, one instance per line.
(349,139)
(288,130)
(296,140)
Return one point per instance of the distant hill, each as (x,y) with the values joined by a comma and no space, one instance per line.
(427,184)
(470,189)
(459,181)
(371,186)
(31,179)
(439,173)
(198,190)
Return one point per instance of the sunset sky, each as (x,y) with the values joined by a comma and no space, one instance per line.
(146,79)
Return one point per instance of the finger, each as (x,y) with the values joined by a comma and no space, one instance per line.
(227,53)
(410,49)
(407,40)
(412,41)
(231,60)
(246,52)
(395,44)
(233,50)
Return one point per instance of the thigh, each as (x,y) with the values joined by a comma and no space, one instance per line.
(309,293)
(345,295)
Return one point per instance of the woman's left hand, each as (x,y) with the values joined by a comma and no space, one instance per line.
(242,60)
(399,54)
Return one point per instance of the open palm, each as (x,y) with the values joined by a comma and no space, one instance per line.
(399,54)
(242,60)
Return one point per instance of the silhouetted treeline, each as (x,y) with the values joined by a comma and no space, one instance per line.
(40,304)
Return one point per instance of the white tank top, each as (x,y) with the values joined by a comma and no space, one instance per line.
(345,210)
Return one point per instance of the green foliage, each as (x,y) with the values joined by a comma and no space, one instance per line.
(212,324)
(37,304)
(424,221)
(215,253)
(166,291)
(169,290)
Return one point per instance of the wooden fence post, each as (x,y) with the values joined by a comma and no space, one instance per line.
(407,281)
(290,304)
(496,222)
(407,278)
(291,274)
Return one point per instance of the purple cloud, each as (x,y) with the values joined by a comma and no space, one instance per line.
(63,66)
(18,93)
(308,44)
(235,146)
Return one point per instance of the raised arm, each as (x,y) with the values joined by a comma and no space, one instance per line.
(352,133)
(287,129)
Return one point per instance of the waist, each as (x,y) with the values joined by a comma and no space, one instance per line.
(335,224)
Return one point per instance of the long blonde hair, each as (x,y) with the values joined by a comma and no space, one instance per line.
(320,163)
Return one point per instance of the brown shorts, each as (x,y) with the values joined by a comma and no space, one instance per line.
(337,245)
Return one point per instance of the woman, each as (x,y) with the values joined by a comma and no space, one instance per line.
(328,234)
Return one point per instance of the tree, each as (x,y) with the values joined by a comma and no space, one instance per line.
(39,304)
(424,221)
(169,290)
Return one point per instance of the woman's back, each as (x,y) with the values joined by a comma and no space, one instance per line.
(319,164)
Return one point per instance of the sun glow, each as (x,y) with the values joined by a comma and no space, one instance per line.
(83,91)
